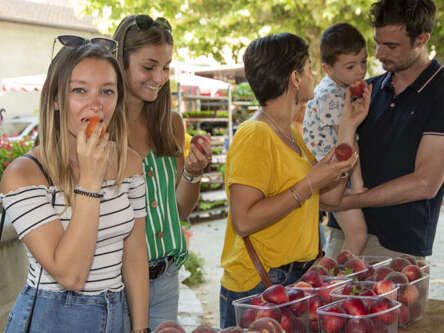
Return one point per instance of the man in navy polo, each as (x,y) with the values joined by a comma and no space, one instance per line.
(402,140)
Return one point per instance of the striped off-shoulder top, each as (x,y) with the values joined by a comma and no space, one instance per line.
(30,207)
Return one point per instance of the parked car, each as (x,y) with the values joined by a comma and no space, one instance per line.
(20,127)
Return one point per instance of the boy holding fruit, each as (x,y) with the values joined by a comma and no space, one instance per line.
(344,59)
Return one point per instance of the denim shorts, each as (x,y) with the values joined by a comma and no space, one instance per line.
(70,312)
(164,297)
(277,276)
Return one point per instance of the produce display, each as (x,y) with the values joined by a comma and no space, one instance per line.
(378,314)
(346,294)
(288,307)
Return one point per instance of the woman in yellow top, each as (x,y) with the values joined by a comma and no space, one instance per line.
(273,189)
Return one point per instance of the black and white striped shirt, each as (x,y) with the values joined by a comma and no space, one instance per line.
(30,207)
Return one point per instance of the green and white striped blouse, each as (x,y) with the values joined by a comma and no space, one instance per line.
(164,235)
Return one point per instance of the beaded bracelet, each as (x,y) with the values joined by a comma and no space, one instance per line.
(82,191)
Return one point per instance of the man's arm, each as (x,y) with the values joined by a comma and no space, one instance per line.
(423,183)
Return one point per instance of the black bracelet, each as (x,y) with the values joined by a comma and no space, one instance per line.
(82,191)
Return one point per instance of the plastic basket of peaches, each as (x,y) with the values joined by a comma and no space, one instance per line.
(374,314)
(408,276)
(286,306)
(412,280)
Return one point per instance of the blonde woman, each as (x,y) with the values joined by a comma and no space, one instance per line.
(78,202)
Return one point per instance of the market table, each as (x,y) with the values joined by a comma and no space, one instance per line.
(432,321)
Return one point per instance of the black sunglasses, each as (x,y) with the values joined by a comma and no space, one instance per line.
(144,22)
(73,41)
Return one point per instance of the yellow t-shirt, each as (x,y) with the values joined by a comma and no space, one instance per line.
(258,158)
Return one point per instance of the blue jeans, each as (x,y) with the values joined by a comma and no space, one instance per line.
(164,297)
(71,312)
(227,314)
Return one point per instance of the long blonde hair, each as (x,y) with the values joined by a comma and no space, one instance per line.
(53,123)
(158,113)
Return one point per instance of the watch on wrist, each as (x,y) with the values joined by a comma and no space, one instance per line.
(190,178)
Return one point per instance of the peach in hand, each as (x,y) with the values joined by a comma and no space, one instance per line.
(357,88)
(343,152)
(92,122)
(195,141)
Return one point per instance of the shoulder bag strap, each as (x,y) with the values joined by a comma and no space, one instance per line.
(36,161)
(260,267)
(257,262)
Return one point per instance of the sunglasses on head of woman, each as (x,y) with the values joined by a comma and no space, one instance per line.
(144,22)
(73,41)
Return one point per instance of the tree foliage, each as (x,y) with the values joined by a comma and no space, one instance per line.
(208,27)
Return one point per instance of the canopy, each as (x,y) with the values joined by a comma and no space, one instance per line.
(23,83)
(35,83)
(206,86)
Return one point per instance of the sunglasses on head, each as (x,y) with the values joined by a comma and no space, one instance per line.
(73,41)
(144,22)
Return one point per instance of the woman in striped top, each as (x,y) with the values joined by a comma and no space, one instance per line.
(157,134)
(78,203)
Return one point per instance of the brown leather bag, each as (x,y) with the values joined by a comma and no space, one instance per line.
(260,267)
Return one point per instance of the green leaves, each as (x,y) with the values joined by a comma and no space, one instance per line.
(223,28)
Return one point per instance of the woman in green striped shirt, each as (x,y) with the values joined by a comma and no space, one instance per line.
(158,135)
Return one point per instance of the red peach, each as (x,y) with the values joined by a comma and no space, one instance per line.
(344,256)
(398,264)
(313,278)
(266,325)
(359,325)
(409,295)
(169,324)
(354,306)
(384,286)
(298,308)
(204,329)
(269,311)
(382,272)
(403,315)
(343,152)
(357,88)
(198,139)
(397,277)
(247,317)
(412,272)
(276,294)
(332,323)
(380,305)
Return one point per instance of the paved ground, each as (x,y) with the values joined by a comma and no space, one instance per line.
(201,305)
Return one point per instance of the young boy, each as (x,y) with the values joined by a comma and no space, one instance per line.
(344,59)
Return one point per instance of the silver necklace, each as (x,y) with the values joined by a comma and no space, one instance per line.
(289,137)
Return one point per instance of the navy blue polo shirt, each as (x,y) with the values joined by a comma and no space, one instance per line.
(388,141)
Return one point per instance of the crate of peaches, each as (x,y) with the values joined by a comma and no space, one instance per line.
(319,287)
(349,265)
(351,314)
(412,281)
(288,307)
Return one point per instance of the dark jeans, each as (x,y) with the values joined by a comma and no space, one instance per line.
(277,276)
